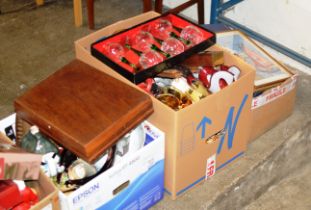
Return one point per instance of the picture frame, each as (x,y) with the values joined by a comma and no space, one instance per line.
(268,70)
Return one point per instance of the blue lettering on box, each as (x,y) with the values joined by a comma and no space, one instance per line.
(229,128)
(228,125)
(86,193)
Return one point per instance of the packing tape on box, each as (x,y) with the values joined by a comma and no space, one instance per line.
(274,93)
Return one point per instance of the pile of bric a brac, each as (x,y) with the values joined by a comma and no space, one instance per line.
(190,82)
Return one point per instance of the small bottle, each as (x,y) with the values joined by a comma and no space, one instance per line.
(80,169)
(89,173)
(35,142)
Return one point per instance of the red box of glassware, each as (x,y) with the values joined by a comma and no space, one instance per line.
(145,49)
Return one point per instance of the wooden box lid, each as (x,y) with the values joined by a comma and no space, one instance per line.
(83,109)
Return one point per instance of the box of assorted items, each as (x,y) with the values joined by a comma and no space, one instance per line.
(202,104)
(96,146)
(274,87)
(23,186)
(144,50)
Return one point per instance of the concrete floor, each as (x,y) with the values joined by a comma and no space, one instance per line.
(297,186)
(35,42)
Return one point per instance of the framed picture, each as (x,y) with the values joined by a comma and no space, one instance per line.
(268,70)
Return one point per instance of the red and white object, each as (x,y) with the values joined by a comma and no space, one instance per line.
(27,195)
(216,80)
(9,194)
(219,80)
(210,166)
(205,74)
(147,85)
(16,196)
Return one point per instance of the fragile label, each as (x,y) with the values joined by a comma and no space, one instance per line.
(273,94)
(210,166)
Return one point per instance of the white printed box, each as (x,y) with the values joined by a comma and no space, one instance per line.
(136,182)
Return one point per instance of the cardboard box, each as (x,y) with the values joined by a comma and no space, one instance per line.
(196,144)
(272,107)
(136,182)
(98,119)
(16,163)
(274,104)
(46,191)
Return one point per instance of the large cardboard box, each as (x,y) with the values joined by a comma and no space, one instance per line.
(191,155)
(46,191)
(136,182)
(275,104)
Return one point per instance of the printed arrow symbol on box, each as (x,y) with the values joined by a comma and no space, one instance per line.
(202,124)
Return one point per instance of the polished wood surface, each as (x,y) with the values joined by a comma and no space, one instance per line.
(90,13)
(77,11)
(83,109)
(39,2)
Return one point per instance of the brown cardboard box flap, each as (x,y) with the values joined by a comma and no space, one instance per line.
(83,109)
(17,163)
(45,189)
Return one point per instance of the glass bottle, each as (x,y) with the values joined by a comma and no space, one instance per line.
(80,169)
(36,142)
(108,164)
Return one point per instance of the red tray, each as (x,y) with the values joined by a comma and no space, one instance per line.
(140,74)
